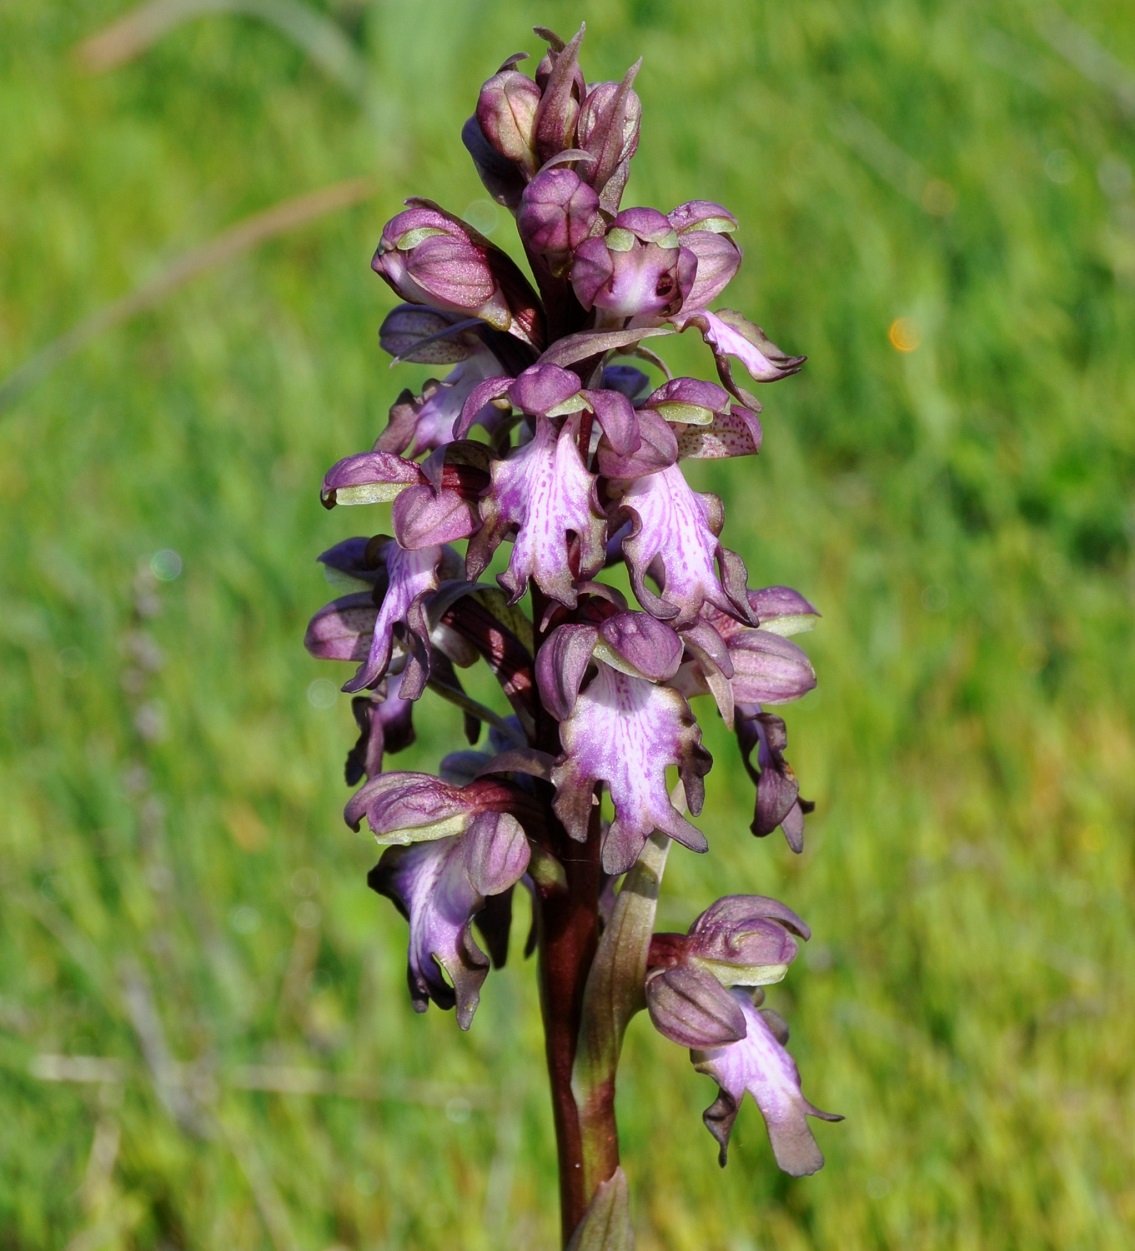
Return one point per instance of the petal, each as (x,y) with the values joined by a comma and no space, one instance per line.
(735,433)
(416,807)
(719,258)
(675,539)
(432,886)
(342,629)
(385,724)
(641,645)
(411,574)
(496,852)
(561,664)
(428,336)
(739,911)
(617,419)
(729,334)
(657,449)
(697,215)
(781,610)
(543,389)
(626,731)
(424,517)
(543,491)
(688,400)
(421,424)
(768,669)
(693,1009)
(778,791)
(759,1064)
(482,394)
(369,478)
(429,886)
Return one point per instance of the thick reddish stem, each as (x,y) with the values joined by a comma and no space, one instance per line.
(568,938)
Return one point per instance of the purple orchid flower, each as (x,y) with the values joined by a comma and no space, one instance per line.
(552,446)
(759,1064)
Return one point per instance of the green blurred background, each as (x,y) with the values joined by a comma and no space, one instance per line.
(205,1040)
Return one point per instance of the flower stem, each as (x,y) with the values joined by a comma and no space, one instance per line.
(569,931)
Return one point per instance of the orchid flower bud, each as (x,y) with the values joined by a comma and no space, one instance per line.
(562,87)
(608,129)
(558,210)
(506,114)
(431,257)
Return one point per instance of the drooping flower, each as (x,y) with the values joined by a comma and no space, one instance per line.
(674,539)
(778,791)
(624,731)
(440,886)
(760,1064)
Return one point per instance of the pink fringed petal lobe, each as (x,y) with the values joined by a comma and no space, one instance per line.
(674,539)
(760,1064)
(729,334)
(412,575)
(544,493)
(625,732)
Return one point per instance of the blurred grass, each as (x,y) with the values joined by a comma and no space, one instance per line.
(174,873)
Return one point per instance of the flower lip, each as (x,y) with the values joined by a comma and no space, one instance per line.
(759,1064)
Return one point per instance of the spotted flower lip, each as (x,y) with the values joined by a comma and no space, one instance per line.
(625,731)
(544,493)
(674,539)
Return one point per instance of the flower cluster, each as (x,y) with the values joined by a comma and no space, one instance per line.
(545,451)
